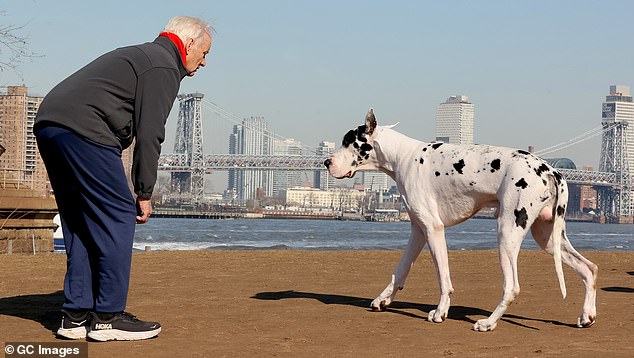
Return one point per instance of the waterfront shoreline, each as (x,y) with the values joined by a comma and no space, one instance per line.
(303,234)
(295,303)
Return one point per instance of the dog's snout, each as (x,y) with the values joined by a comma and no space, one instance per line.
(327,162)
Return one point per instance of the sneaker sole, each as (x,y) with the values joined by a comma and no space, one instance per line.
(72,333)
(119,335)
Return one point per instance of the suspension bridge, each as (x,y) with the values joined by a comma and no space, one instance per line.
(188,164)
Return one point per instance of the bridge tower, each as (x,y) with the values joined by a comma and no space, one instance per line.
(618,136)
(189,141)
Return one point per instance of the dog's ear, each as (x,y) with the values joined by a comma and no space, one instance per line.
(370,122)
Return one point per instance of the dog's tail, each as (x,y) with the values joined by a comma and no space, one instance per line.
(559,226)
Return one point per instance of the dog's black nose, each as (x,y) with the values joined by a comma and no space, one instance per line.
(327,162)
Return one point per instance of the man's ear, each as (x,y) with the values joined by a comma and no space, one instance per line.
(188,45)
(370,122)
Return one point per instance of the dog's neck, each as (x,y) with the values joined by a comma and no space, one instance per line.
(389,157)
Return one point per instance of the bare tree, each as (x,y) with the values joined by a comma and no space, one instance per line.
(14,47)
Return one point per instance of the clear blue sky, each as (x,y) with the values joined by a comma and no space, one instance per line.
(537,71)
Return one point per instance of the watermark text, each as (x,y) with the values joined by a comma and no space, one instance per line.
(46,350)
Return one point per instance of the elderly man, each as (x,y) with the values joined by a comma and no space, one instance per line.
(82,126)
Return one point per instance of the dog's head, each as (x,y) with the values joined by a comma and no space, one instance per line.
(356,152)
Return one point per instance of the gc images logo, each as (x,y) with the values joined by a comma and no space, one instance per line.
(46,349)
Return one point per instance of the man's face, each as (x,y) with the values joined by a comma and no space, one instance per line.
(196,52)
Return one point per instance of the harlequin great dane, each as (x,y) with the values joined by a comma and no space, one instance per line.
(443,184)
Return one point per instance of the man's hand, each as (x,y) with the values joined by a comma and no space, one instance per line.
(143,210)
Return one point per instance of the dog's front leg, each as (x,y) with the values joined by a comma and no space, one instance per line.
(438,249)
(414,246)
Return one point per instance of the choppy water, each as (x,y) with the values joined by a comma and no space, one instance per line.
(271,234)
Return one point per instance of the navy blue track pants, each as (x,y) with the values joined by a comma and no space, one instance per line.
(98,215)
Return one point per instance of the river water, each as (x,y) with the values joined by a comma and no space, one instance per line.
(296,234)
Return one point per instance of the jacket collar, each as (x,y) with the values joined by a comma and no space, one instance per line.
(169,44)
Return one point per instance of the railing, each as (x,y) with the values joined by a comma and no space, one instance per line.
(178,162)
(14,179)
(574,176)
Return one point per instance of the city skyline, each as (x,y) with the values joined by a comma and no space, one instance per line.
(536,70)
(254,136)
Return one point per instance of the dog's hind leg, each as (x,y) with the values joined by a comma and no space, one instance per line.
(541,231)
(510,236)
(414,246)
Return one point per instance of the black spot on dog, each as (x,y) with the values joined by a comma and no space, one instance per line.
(472,183)
(523,152)
(366,156)
(354,163)
(437,174)
(543,199)
(521,183)
(521,217)
(542,168)
(421,160)
(557,176)
(355,145)
(366,147)
(544,181)
(495,165)
(561,210)
(425,149)
(349,138)
(459,166)
(436,145)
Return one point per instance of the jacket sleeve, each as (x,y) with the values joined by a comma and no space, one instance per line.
(155,95)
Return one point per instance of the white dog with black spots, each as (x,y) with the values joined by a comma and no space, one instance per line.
(445,184)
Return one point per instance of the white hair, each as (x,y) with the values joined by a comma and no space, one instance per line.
(187,27)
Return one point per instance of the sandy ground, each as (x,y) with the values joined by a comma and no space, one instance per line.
(315,304)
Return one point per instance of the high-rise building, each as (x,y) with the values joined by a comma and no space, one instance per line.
(235,147)
(21,164)
(284,179)
(323,180)
(254,138)
(454,121)
(375,181)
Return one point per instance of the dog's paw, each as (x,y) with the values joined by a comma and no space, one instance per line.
(585,321)
(380,304)
(436,316)
(484,325)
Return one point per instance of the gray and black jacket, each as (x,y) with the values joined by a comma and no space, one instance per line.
(123,95)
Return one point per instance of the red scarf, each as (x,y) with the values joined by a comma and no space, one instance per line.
(179,44)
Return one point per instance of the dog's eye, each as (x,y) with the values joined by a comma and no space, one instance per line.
(361,134)
(366,147)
